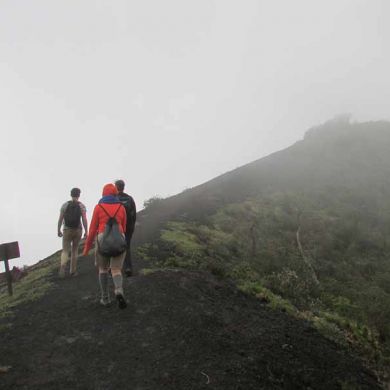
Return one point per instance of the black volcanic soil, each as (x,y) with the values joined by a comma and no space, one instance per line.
(181,330)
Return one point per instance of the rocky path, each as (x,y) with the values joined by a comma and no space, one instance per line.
(181,330)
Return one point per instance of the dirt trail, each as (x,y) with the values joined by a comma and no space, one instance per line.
(182,330)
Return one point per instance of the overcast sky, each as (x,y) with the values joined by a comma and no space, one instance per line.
(169,94)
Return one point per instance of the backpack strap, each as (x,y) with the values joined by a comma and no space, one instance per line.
(116,212)
(69,202)
(108,215)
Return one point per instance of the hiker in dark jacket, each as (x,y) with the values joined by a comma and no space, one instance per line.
(72,214)
(109,206)
(131,213)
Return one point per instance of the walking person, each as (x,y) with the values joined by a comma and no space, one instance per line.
(108,224)
(131,213)
(72,214)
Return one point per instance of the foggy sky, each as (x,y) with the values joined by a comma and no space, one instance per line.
(169,94)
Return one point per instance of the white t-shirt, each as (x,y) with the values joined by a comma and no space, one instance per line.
(82,208)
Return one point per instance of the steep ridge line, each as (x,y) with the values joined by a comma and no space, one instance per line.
(182,330)
(330,155)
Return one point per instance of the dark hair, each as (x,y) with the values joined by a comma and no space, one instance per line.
(75,192)
(120,185)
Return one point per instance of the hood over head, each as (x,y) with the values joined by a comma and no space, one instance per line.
(110,189)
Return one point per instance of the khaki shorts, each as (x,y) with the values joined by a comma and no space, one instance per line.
(108,262)
(71,239)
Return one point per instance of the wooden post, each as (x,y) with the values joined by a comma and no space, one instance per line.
(8,276)
(9,251)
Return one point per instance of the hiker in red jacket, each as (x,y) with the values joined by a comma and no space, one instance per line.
(108,207)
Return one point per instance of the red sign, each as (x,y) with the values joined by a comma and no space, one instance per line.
(9,250)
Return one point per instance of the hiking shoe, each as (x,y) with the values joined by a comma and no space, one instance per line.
(128,272)
(121,301)
(74,273)
(105,301)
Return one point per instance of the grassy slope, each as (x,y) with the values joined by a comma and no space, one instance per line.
(335,155)
(28,289)
(322,164)
(335,184)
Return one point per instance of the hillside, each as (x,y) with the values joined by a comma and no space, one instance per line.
(182,330)
(272,276)
(306,228)
(335,155)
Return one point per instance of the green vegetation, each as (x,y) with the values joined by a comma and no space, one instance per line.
(29,288)
(322,257)
(265,295)
(306,229)
(153,201)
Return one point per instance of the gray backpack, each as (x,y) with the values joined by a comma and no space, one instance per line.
(113,242)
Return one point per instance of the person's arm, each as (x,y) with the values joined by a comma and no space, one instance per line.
(84,220)
(134,211)
(60,220)
(124,219)
(93,228)
(85,224)
(131,218)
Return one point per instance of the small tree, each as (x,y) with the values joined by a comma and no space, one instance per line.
(154,200)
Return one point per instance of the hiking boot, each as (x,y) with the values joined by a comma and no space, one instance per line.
(75,273)
(128,272)
(121,301)
(105,301)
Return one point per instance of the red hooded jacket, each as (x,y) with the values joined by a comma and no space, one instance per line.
(100,217)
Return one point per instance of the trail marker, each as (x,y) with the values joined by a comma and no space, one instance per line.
(9,251)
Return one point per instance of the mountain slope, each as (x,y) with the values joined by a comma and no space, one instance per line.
(308,225)
(181,330)
(336,155)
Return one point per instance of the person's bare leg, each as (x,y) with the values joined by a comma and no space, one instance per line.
(117,278)
(74,252)
(127,263)
(103,264)
(103,282)
(66,243)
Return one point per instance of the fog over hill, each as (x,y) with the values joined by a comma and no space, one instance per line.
(175,92)
(332,156)
(283,258)
(309,224)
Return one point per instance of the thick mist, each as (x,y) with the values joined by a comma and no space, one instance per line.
(167,95)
